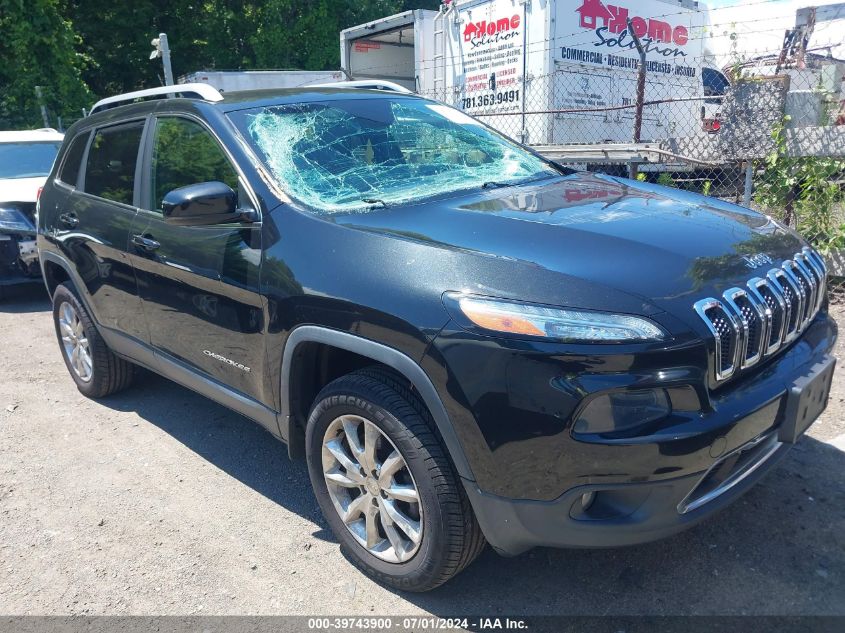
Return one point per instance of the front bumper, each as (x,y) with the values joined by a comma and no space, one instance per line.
(18,260)
(628,492)
(618,515)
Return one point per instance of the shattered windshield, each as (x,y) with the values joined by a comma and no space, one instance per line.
(355,154)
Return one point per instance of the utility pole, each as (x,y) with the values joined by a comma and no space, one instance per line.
(40,97)
(162,49)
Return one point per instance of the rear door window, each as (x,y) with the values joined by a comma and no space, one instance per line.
(69,173)
(112,158)
(185,153)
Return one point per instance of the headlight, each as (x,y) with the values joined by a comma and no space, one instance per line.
(524,319)
(11,219)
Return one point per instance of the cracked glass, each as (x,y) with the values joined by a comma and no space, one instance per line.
(353,155)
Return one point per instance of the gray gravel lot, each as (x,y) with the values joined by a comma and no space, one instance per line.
(158,501)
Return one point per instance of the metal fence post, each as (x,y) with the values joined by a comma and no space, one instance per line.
(40,95)
(638,117)
(749,179)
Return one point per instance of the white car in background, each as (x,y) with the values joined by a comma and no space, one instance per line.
(26,158)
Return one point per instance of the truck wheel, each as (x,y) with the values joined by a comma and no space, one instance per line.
(385,484)
(94,368)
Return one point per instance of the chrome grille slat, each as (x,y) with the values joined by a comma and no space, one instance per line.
(816,274)
(758,292)
(750,323)
(780,315)
(789,290)
(725,332)
(821,267)
(792,267)
(800,286)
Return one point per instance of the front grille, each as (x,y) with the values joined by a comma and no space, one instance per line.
(750,323)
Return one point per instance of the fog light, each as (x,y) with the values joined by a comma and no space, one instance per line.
(623,411)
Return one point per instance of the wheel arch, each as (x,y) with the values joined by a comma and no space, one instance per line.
(375,353)
(57,270)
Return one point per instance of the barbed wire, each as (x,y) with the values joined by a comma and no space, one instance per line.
(550,44)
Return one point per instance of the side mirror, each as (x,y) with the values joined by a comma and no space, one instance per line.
(203,203)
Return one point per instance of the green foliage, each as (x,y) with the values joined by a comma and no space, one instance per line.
(38,49)
(641,177)
(665,179)
(79,50)
(185,153)
(706,186)
(292,34)
(803,193)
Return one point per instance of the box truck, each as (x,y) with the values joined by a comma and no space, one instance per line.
(550,72)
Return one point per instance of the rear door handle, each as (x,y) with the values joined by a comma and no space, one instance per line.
(69,220)
(145,242)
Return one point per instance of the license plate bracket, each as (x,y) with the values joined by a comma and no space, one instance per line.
(806,399)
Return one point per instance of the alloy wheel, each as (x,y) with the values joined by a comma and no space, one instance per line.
(372,488)
(75,342)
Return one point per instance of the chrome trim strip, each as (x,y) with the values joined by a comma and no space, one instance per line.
(734,478)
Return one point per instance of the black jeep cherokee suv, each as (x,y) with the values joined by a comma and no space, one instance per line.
(467,342)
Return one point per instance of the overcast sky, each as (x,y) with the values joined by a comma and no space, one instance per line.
(760,24)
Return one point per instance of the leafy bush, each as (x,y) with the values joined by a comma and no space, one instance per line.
(805,193)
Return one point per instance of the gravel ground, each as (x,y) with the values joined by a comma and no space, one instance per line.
(158,501)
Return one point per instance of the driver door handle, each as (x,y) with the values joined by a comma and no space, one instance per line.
(69,220)
(145,242)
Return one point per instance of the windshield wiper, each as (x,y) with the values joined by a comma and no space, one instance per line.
(492,184)
(375,201)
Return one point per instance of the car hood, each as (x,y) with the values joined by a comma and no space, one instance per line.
(20,189)
(661,244)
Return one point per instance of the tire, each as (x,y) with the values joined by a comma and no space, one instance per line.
(449,538)
(104,373)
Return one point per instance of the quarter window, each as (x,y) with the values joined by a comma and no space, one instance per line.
(185,153)
(70,169)
(110,170)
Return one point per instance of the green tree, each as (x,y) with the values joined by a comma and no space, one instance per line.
(79,50)
(306,35)
(221,34)
(38,49)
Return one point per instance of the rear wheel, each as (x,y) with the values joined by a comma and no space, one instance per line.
(385,485)
(95,369)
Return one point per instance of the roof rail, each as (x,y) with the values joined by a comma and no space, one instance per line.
(190,91)
(364,84)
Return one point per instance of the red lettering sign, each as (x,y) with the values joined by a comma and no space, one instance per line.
(595,14)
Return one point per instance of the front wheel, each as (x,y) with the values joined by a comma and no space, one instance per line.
(385,485)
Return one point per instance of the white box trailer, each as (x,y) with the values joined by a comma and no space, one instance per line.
(396,48)
(547,72)
(235,80)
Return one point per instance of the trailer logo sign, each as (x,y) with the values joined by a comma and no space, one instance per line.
(613,19)
(483,33)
